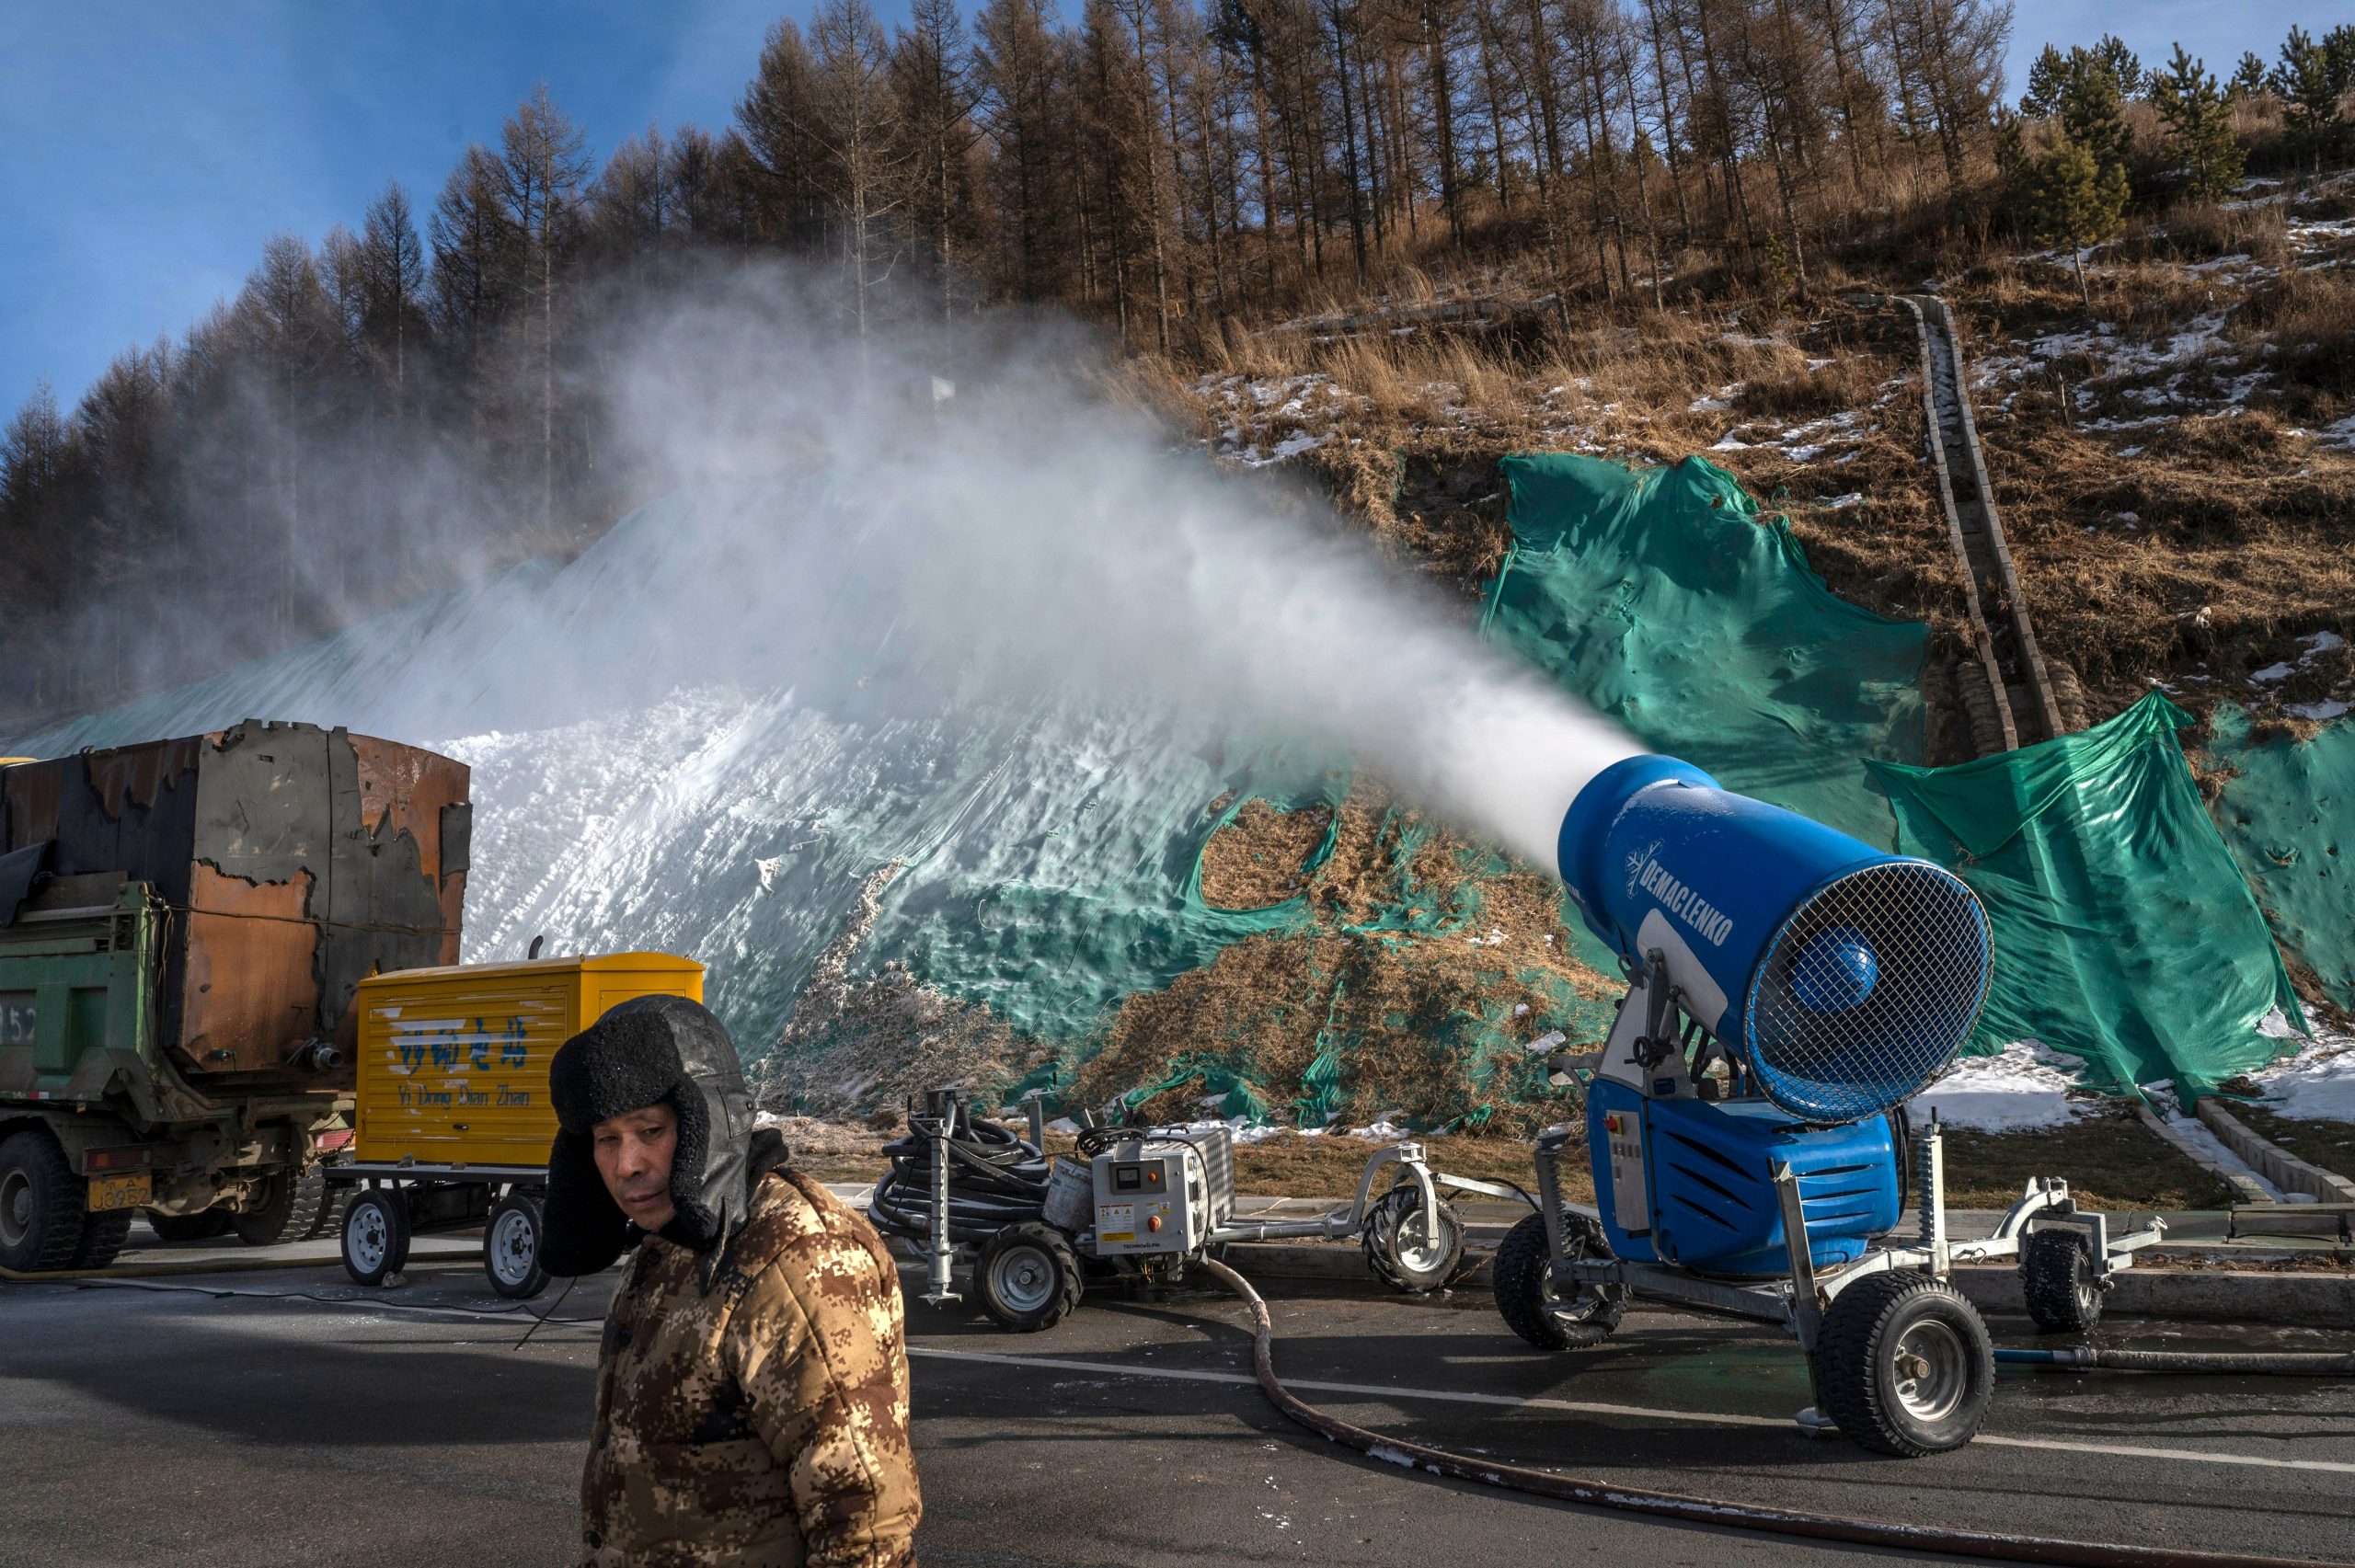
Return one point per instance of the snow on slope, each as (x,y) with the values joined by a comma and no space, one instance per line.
(734,823)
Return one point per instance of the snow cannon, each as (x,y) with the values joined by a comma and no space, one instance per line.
(1789,987)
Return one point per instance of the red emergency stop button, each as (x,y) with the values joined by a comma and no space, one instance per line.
(1153,1223)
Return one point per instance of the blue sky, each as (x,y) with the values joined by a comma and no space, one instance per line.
(153,147)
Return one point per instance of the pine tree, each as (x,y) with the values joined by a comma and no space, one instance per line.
(2075,199)
(2248,79)
(2092,111)
(2120,64)
(2303,81)
(2046,78)
(545,170)
(2200,125)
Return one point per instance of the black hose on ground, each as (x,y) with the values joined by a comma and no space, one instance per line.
(1703,1510)
(995,1179)
(2269,1363)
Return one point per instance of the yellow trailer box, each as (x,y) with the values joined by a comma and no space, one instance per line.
(454,1063)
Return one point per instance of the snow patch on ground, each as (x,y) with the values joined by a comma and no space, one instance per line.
(2020,1089)
(2317,1081)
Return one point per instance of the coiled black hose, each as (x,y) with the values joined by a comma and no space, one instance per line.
(995,1179)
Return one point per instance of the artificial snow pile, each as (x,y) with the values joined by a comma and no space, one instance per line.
(2318,1082)
(2023,1088)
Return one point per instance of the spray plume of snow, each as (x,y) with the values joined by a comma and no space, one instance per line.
(853,627)
(1024,537)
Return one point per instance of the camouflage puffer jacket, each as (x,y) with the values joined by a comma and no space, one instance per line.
(763,1422)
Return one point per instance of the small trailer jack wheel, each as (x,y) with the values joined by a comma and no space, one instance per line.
(511,1247)
(1400,1248)
(1522,1274)
(1904,1365)
(376,1236)
(2057,1280)
(1029,1276)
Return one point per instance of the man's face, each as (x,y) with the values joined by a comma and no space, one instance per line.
(634,1153)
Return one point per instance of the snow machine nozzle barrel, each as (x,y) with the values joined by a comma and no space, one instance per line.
(1844,977)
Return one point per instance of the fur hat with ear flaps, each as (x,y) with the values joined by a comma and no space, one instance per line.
(652,1050)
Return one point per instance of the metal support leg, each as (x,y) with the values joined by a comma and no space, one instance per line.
(1807,1312)
(1549,1187)
(938,1281)
(1930,1197)
(1034,1105)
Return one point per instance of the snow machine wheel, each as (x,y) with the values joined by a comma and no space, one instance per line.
(286,1213)
(1029,1277)
(202,1227)
(103,1234)
(1526,1298)
(511,1247)
(2057,1278)
(1400,1249)
(1903,1365)
(376,1236)
(42,1204)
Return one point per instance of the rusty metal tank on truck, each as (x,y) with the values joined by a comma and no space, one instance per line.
(183,924)
(454,1122)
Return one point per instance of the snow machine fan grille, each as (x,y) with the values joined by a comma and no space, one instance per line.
(1867,990)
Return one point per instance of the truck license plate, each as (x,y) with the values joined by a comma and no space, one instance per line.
(128,1190)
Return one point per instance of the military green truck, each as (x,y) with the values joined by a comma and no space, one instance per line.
(182,925)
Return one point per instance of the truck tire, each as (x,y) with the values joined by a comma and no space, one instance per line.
(1904,1365)
(376,1236)
(1398,1251)
(201,1226)
(41,1209)
(511,1247)
(2058,1281)
(287,1214)
(1029,1276)
(103,1235)
(1522,1275)
(337,1200)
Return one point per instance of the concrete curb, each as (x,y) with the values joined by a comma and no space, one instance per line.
(2270,1160)
(2233,1296)
(2246,1190)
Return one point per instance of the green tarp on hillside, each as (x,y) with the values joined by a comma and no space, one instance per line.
(2289,814)
(1661,597)
(2124,930)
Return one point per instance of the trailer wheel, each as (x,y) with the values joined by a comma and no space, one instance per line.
(511,1247)
(42,1207)
(1029,1276)
(1904,1365)
(200,1227)
(103,1234)
(1523,1276)
(288,1212)
(376,1236)
(1400,1249)
(2058,1279)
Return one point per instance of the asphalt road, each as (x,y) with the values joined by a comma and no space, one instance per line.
(188,1425)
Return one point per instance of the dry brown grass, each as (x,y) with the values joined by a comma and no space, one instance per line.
(1255,861)
(1426,1023)
(2110,1161)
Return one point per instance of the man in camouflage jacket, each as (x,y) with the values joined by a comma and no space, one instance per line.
(752,1383)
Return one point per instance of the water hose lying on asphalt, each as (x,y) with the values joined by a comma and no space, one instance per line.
(2273,1363)
(1693,1510)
